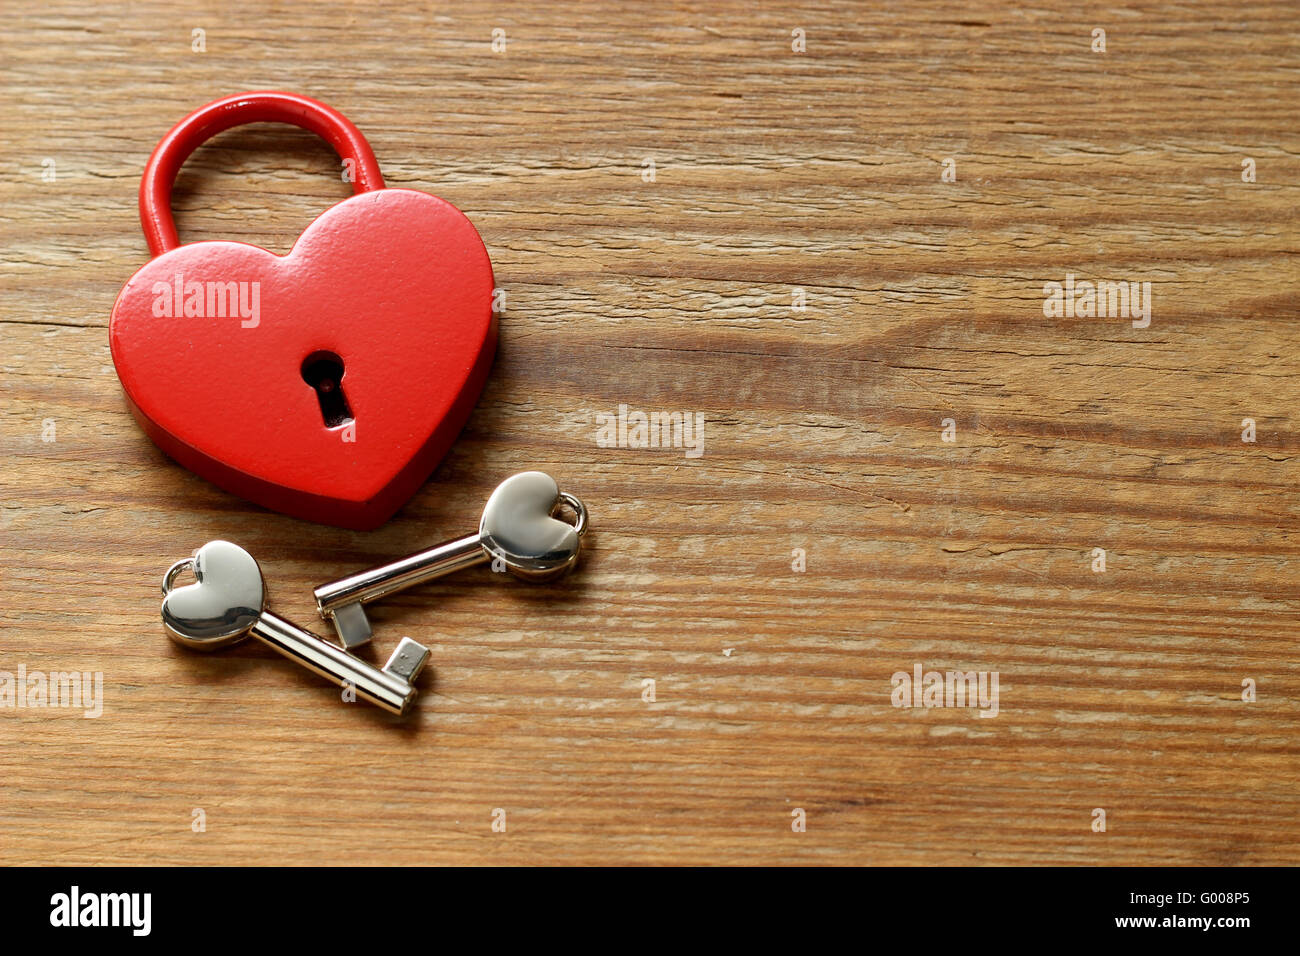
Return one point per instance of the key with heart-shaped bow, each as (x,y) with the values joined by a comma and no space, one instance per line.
(227,603)
(518,529)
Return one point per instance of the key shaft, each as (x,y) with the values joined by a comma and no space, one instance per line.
(389,691)
(377,582)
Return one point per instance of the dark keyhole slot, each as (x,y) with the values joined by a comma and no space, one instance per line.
(323,371)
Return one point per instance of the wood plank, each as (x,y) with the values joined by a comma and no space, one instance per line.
(774,172)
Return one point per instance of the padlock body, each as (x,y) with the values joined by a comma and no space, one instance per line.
(210,341)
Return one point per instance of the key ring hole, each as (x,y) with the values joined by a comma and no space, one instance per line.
(577,507)
(174,570)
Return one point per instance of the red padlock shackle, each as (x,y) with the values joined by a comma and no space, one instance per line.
(267,106)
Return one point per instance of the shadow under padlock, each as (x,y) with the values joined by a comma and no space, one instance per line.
(349,365)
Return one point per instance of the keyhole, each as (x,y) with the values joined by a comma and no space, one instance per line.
(323,371)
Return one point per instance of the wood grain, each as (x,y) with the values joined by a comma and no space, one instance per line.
(774,171)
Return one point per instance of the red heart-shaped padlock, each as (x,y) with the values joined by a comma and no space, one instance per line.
(327,383)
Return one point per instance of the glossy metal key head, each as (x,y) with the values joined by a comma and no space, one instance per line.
(227,598)
(227,602)
(518,528)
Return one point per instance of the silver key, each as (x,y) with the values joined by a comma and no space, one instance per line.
(518,529)
(227,603)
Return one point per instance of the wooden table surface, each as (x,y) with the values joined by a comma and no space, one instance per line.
(776,174)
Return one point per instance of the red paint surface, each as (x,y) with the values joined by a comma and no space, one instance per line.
(395,282)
